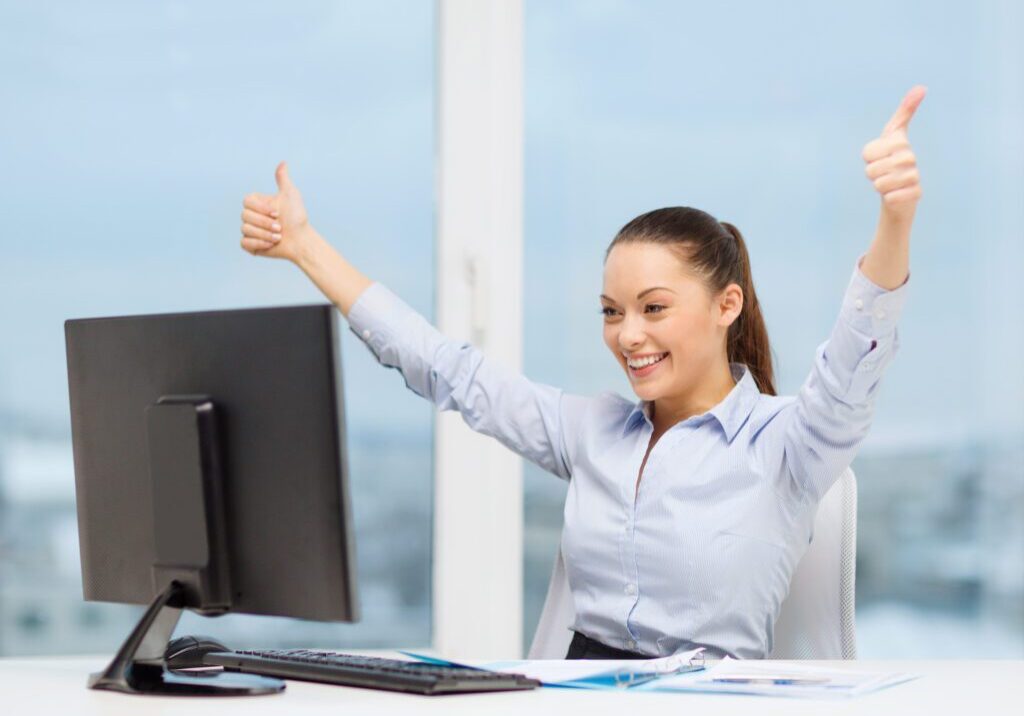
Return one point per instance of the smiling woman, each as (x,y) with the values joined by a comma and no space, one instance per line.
(677,352)
(647,569)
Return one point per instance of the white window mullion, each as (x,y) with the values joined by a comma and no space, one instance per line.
(478,521)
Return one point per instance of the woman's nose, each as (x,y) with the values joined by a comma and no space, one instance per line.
(631,335)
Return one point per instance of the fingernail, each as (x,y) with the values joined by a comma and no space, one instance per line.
(273,214)
(276,237)
(276,227)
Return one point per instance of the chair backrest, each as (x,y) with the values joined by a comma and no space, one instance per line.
(816,620)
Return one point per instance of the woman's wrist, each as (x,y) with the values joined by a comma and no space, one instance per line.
(887,261)
(336,278)
(309,248)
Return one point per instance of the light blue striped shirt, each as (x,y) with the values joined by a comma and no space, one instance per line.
(704,554)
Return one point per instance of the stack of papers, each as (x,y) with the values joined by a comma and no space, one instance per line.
(686,672)
(603,674)
(780,678)
(590,673)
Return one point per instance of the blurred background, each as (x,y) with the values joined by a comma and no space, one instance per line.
(131,132)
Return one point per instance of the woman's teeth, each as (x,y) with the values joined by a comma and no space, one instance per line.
(644,362)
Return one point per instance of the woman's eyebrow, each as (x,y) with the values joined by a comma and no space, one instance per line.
(642,293)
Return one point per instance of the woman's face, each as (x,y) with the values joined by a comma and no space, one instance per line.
(653,307)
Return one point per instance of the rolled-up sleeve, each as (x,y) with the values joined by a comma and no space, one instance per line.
(539,422)
(834,409)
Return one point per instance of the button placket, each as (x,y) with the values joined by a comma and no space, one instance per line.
(632,498)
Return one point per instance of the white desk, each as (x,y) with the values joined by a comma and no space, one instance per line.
(56,685)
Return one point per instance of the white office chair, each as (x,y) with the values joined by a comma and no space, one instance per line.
(817,617)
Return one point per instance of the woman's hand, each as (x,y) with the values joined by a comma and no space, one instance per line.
(893,169)
(891,165)
(275,226)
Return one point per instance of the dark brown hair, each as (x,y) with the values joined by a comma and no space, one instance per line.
(715,251)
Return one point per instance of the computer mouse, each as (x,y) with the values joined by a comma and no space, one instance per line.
(187,652)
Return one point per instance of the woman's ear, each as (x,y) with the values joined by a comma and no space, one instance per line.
(730,304)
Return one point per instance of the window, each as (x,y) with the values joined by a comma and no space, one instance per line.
(136,129)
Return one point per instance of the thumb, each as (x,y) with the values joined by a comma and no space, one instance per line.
(284,182)
(906,110)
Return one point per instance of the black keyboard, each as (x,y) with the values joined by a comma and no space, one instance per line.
(369,671)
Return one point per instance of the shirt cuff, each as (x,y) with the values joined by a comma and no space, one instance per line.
(377,316)
(870,309)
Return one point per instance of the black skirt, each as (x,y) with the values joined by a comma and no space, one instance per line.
(583,647)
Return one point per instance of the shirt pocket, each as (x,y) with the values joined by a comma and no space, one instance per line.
(761,516)
(754,566)
(757,533)
(753,583)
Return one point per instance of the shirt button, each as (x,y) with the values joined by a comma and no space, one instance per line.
(631,644)
(630,589)
(879,314)
(859,303)
(366,333)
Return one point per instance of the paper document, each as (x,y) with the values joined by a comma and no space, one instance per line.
(590,673)
(780,678)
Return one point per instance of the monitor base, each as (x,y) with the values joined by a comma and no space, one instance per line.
(159,681)
(139,668)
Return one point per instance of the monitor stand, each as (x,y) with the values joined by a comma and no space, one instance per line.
(139,666)
(190,555)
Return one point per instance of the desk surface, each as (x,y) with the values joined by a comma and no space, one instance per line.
(57,685)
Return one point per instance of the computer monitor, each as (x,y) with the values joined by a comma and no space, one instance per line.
(211,473)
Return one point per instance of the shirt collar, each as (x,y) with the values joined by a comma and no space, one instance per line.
(730,413)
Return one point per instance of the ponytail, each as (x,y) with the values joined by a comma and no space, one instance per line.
(747,342)
(717,252)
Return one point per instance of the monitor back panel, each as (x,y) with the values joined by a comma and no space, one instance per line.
(274,375)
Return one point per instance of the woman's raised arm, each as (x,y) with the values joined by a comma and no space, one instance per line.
(537,421)
(835,407)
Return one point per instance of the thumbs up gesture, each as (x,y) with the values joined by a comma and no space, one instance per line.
(891,165)
(275,226)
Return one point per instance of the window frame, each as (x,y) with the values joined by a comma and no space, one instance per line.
(478,515)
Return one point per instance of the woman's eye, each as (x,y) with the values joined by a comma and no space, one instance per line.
(608,312)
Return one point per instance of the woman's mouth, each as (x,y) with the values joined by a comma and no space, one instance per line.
(645,370)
